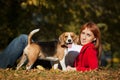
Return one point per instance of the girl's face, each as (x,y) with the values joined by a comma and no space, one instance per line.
(86,36)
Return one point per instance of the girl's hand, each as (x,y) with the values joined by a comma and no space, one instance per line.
(69,68)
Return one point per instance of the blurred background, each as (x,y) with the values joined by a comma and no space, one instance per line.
(54,17)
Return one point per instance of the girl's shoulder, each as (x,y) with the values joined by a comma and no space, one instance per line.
(89,46)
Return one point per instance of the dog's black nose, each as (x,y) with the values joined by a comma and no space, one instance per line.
(69,40)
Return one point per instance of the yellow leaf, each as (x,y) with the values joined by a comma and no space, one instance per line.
(40,67)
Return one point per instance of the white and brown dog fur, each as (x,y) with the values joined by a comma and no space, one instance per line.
(56,52)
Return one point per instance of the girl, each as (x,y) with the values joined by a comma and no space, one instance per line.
(90,39)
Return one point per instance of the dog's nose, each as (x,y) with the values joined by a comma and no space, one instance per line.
(69,40)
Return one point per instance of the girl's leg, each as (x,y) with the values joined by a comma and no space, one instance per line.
(13,51)
(70,58)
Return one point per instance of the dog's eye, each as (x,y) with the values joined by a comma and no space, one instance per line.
(72,36)
(65,36)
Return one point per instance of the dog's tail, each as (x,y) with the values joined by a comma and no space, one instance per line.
(31,34)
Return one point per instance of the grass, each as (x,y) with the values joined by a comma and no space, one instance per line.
(36,74)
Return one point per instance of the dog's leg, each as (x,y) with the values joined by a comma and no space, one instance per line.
(55,66)
(62,63)
(31,61)
(22,61)
(28,66)
(54,61)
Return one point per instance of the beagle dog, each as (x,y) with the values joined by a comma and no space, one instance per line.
(53,51)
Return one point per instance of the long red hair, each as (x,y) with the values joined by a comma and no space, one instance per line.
(94,28)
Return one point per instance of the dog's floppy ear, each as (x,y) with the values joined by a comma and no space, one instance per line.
(76,39)
(61,38)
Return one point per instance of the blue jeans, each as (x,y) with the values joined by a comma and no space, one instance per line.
(13,51)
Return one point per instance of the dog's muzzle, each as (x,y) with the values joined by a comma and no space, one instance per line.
(69,43)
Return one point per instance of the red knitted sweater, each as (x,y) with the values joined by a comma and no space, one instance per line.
(87,59)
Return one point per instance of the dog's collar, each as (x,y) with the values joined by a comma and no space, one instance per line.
(64,46)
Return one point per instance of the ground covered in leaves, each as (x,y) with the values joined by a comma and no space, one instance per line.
(36,74)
